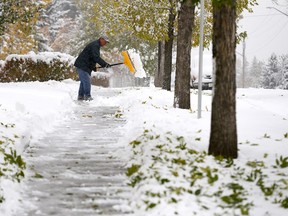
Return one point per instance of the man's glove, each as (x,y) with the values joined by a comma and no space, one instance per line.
(107,65)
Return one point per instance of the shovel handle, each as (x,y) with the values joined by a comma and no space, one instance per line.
(112,65)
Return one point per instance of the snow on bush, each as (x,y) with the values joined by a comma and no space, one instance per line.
(38,67)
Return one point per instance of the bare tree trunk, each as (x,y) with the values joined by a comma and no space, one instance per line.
(158,80)
(183,61)
(223,136)
(168,50)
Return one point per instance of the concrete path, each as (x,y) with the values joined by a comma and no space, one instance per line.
(72,171)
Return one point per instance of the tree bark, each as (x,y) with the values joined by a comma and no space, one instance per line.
(158,80)
(168,50)
(183,59)
(223,135)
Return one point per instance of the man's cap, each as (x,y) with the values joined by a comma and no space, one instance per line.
(105,38)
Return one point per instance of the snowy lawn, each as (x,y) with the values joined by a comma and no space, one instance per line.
(172,174)
(169,169)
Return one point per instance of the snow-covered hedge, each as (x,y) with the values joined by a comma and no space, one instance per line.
(43,66)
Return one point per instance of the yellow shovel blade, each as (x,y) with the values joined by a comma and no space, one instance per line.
(128,62)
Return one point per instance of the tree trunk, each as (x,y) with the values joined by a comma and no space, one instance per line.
(183,60)
(158,80)
(223,135)
(168,50)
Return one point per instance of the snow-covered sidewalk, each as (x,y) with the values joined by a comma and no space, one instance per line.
(70,166)
(71,170)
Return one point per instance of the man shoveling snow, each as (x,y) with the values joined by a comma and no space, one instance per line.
(86,63)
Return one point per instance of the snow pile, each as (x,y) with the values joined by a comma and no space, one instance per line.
(34,107)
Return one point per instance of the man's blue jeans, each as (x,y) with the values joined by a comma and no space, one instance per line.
(85,83)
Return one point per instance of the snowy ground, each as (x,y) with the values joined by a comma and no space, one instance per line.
(169,169)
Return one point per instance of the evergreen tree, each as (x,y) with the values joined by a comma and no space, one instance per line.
(254,73)
(284,72)
(270,74)
(60,27)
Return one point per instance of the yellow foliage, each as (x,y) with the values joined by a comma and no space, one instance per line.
(18,40)
(147,20)
(20,36)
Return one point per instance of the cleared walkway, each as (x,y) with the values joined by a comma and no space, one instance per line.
(72,171)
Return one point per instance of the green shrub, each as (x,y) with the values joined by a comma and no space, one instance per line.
(37,67)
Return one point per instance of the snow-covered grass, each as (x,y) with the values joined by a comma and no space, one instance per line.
(169,169)
(172,174)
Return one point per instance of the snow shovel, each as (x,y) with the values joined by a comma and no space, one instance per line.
(127,61)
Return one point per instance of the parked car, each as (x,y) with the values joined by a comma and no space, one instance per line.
(207,83)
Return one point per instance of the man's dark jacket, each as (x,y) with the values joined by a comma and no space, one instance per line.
(88,58)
